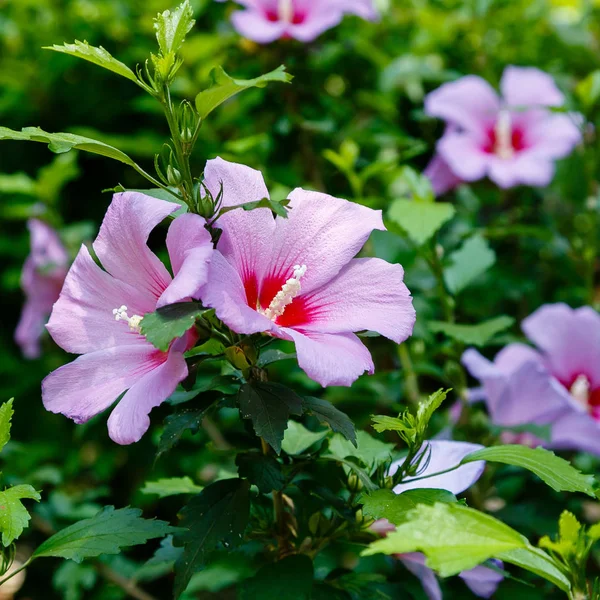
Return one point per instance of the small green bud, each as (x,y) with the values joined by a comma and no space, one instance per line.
(388,482)
(173,176)
(236,356)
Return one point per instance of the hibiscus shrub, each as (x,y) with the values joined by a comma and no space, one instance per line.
(342,304)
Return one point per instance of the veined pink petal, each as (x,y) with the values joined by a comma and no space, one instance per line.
(190,249)
(91,383)
(121,243)
(368,294)
(528,86)
(129,420)
(82,319)
(330,359)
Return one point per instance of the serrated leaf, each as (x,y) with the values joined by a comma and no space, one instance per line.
(176,425)
(453,537)
(473,335)
(553,470)
(420,220)
(224,87)
(63,142)
(219,514)
(383,423)
(328,413)
(171,486)
(6,413)
(298,438)
(279,208)
(287,579)
(370,451)
(172,26)
(268,406)
(593,532)
(569,527)
(105,533)
(427,407)
(169,323)
(14,517)
(468,263)
(263,471)
(97,55)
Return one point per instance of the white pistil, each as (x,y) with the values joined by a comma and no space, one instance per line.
(133,322)
(285,9)
(503,147)
(290,290)
(580,390)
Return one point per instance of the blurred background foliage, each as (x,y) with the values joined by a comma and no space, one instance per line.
(349,124)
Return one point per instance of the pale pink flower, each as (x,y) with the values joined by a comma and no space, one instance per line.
(513,139)
(557,385)
(99,311)
(265,21)
(297,278)
(43,275)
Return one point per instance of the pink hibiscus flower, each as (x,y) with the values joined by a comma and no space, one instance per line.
(98,316)
(265,21)
(297,278)
(512,140)
(42,278)
(559,385)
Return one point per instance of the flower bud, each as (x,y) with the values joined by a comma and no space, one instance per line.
(173,176)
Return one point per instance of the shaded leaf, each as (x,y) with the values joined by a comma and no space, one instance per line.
(328,413)
(264,471)
(297,438)
(176,425)
(467,263)
(6,414)
(169,323)
(420,220)
(171,486)
(270,356)
(14,517)
(538,562)
(473,335)
(369,451)
(73,580)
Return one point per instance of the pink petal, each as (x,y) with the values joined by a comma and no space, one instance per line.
(469,103)
(46,247)
(528,86)
(82,319)
(415,563)
(121,243)
(129,420)
(331,359)
(441,176)
(523,169)
(576,431)
(554,136)
(482,580)
(92,382)
(31,327)
(368,294)
(443,455)
(190,249)
(254,25)
(464,155)
(322,232)
(317,22)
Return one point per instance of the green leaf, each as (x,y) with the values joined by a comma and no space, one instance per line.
(385,504)
(176,425)
(328,413)
(287,579)
(171,486)
(473,335)
(105,533)
(172,26)
(553,470)
(467,263)
(383,423)
(453,537)
(72,580)
(370,451)
(6,413)
(279,208)
(360,586)
(415,185)
(427,407)
(224,87)
(219,514)
(588,90)
(170,322)
(420,220)
(270,356)
(263,471)
(14,517)
(269,406)
(17,183)
(63,142)
(297,438)
(98,56)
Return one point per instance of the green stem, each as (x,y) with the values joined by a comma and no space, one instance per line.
(412,381)
(437,269)
(21,568)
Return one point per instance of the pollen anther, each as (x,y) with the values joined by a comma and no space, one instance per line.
(290,290)
(133,322)
(503,147)
(580,390)
(285,8)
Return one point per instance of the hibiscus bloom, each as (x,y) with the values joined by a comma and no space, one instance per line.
(99,311)
(42,278)
(265,21)
(514,139)
(557,385)
(443,455)
(297,278)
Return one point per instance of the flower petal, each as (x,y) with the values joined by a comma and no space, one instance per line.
(31,327)
(482,580)
(554,136)
(525,168)
(443,455)
(121,243)
(129,420)
(576,431)
(441,176)
(254,25)
(46,248)
(190,249)
(464,156)
(528,86)
(368,294)
(92,382)
(330,359)
(415,563)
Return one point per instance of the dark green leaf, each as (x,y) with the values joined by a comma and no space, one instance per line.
(467,263)
(262,471)
(6,413)
(538,562)
(14,517)
(73,580)
(270,356)
(219,514)
(170,322)
(328,413)
(370,451)
(176,425)
(473,335)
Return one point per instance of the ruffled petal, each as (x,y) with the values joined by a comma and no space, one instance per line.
(443,455)
(528,86)
(415,563)
(330,359)
(190,249)
(92,382)
(121,243)
(482,580)
(82,319)
(368,294)
(129,420)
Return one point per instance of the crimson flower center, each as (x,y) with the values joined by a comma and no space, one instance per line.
(505,138)
(286,12)
(583,393)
